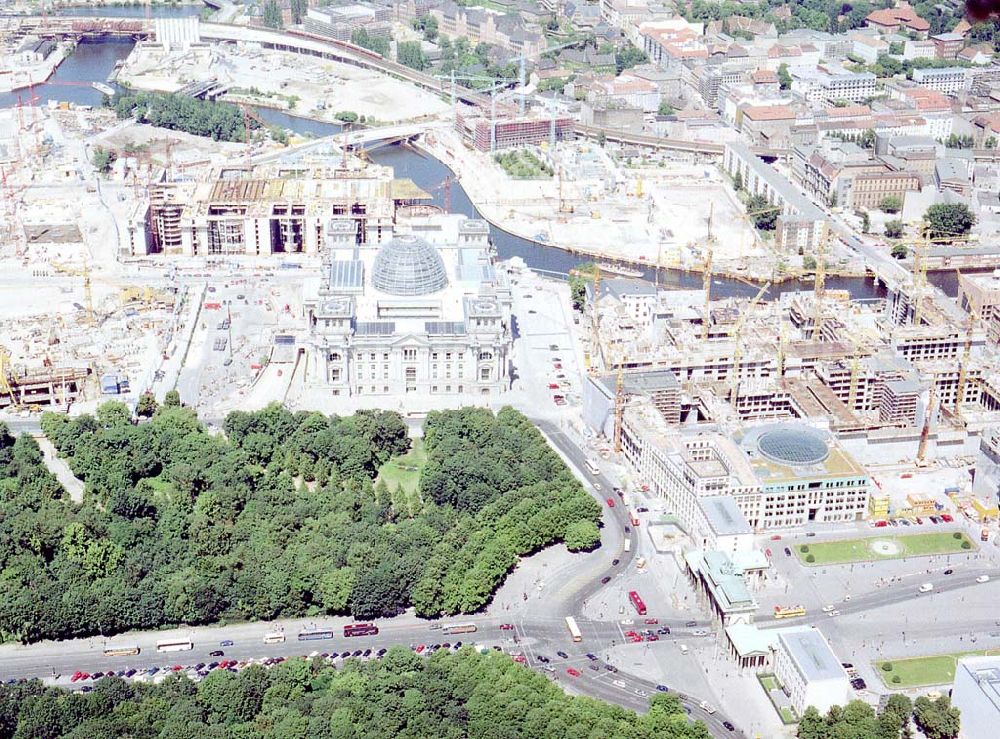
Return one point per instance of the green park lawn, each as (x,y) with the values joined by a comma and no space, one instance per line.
(867,549)
(404,472)
(933,669)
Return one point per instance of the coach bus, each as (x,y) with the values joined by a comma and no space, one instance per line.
(275,637)
(574,630)
(313,634)
(174,645)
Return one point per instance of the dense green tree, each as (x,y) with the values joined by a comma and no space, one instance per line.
(937,719)
(450,696)
(762,212)
(784,77)
(180,526)
(220,121)
(172,399)
(271,14)
(629,56)
(891,204)
(949,220)
(894,229)
(147,405)
(373,42)
(410,54)
(102,159)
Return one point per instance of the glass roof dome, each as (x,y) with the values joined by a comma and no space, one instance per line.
(408,265)
(797,446)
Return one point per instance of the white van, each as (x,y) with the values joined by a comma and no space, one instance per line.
(683,648)
(926,587)
(707,707)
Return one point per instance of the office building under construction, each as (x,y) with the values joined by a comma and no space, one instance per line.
(267,210)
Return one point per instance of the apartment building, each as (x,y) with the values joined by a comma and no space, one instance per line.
(800,224)
(946,80)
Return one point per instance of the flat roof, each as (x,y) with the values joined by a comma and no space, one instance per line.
(809,649)
(724,516)
(748,640)
(777,182)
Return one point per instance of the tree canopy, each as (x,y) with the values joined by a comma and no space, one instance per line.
(220,121)
(404,696)
(949,220)
(279,518)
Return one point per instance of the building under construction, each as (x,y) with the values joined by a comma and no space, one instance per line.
(507,132)
(267,210)
(868,373)
(55,386)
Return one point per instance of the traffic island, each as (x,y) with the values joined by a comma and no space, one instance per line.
(876,548)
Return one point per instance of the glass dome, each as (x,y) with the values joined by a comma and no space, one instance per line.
(408,265)
(797,446)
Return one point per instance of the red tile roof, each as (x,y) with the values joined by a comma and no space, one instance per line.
(895,17)
(769,113)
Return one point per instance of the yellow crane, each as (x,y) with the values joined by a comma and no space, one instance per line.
(88,294)
(819,288)
(5,386)
(963,366)
(706,286)
(619,402)
(737,334)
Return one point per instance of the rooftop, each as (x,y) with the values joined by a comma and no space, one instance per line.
(723,515)
(809,649)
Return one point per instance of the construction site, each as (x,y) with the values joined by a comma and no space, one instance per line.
(908,378)
(643,210)
(301,85)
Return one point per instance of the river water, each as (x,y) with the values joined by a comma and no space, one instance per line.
(95,60)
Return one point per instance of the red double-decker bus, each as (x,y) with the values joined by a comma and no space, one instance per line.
(360,630)
(640,607)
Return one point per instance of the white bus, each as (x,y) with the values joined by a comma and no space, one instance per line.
(174,645)
(592,467)
(275,637)
(574,630)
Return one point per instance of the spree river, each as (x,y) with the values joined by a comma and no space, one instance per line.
(94,60)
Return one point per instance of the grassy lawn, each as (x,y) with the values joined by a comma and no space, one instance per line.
(787,715)
(882,547)
(933,669)
(405,471)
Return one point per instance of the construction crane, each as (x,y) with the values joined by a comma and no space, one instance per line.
(88,295)
(919,276)
(595,334)
(522,77)
(925,432)
(5,386)
(498,83)
(782,345)
(737,334)
(963,366)
(619,402)
(248,116)
(819,287)
(706,277)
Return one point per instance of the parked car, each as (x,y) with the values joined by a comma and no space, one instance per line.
(572,672)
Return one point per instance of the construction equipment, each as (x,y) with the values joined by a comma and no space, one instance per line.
(88,295)
(619,402)
(5,386)
(819,288)
(737,335)
(925,432)
(706,286)
(522,77)
(919,276)
(963,366)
